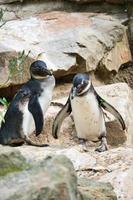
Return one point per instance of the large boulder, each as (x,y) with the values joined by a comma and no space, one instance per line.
(53,178)
(78,1)
(8,1)
(11,161)
(121,175)
(72,42)
(124,74)
(130,24)
(120,96)
(113,166)
(90,189)
(14,68)
(49,177)
(94,1)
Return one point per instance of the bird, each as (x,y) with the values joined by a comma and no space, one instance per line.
(26,112)
(86,107)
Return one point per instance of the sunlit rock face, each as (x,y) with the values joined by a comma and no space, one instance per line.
(9,1)
(52,176)
(78,1)
(70,42)
(51,172)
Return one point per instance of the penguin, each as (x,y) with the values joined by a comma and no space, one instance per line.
(86,107)
(25,114)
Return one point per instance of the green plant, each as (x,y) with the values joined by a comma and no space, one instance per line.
(5,105)
(15,69)
(16,65)
(2,21)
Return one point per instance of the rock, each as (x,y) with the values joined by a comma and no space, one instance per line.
(11,161)
(67,44)
(50,176)
(14,68)
(121,177)
(96,190)
(78,1)
(86,1)
(115,1)
(124,74)
(93,1)
(130,25)
(53,178)
(113,63)
(81,161)
(9,1)
(120,96)
(113,166)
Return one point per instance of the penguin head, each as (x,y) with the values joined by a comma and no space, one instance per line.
(38,70)
(81,84)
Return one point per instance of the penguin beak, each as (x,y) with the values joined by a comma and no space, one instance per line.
(49,72)
(74,92)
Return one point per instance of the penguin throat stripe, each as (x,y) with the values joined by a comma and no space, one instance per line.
(39,77)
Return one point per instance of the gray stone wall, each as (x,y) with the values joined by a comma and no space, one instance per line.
(78,1)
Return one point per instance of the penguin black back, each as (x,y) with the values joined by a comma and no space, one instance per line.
(12,124)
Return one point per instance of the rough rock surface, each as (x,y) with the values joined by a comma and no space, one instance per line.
(73,42)
(11,161)
(114,166)
(120,96)
(130,15)
(11,72)
(8,1)
(51,177)
(78,1)
(108,1)
(89,189)
(124,74)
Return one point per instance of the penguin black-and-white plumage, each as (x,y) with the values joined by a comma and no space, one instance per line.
(26,112)
(86,107)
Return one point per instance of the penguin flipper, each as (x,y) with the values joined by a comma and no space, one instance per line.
(36,111)
(106,106)
(62,114)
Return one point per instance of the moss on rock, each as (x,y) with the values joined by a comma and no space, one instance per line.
(11,161)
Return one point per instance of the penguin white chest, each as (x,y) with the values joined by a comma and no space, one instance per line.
(44,101)
(88,117)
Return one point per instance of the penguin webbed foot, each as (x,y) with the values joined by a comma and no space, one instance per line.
(103,146)
(16,142)
(82,145)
